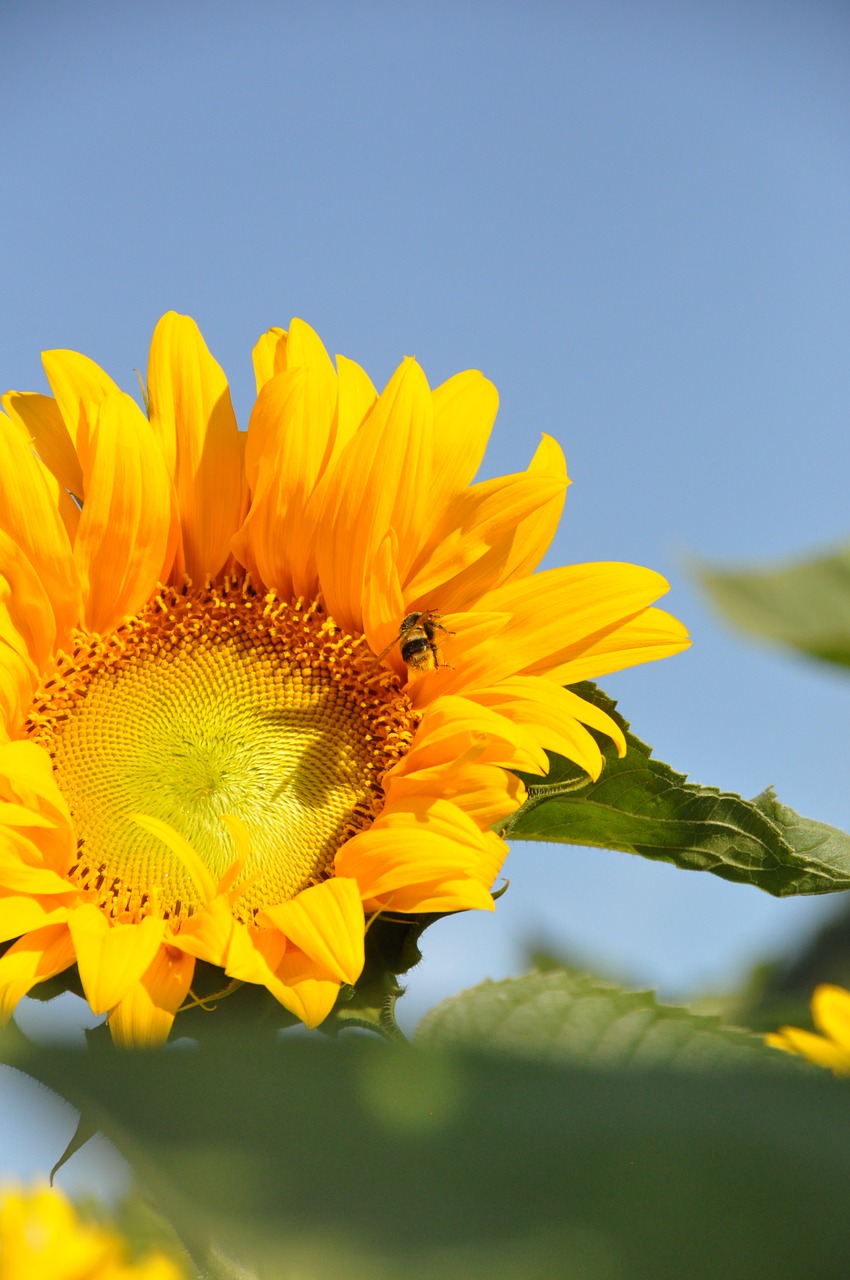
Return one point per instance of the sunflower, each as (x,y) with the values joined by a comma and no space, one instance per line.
(831,1047)
(43,1237)
(219,742)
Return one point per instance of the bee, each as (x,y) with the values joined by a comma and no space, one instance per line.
(417,636)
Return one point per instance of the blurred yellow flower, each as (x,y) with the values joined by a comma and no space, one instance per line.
(43,1237)
(256,687)
(831,1015)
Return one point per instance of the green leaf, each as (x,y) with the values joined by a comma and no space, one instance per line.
(640,805)
(804,604)
(355,1158)
(564,1016)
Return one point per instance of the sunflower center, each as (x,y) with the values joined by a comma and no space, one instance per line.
(213,703)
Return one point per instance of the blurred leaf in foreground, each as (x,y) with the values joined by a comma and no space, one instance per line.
(802,604)
(564,1016)
(362,1159)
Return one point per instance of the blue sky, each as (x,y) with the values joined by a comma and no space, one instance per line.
(633,218)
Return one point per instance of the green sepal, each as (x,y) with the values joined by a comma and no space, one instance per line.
(392,949)
(217,1005)
(86,1130)
(58,985)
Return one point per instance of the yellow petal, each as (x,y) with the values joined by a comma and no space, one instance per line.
(465,409)
(819,1050)
(40,418)
(24,914)
(32,520)
(196,867)
(305,350)
(470,547)
(21,868)
(831,1013)
(555,616)
(26,774)
(300,984)
(356,397)
(34,958)
(269,356)
(124,544)
(16,690)
(556,717)
(425,841)
(288,439)
(326,923)
(254,954)
(27,622)
(453,727)
(652,635)
(535,532)
(77,383)
(143,1018)
(304,989)
(112,957)
(379,482)
(28,788)
(193,419)
(486,792)
(396,858)
(208,933)
(383,603)
(440,896)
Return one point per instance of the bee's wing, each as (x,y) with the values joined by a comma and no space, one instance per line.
(379,659)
